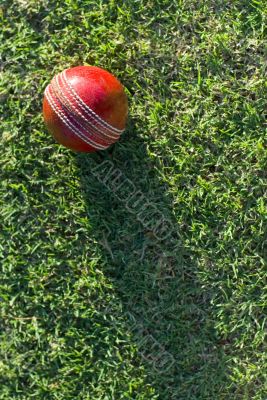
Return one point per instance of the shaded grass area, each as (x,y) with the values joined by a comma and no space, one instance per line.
(92,305)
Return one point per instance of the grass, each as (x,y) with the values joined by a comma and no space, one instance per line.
(92,305)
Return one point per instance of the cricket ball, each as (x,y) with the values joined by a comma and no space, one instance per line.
(85,108)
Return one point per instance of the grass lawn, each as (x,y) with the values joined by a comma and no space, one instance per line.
(93,305)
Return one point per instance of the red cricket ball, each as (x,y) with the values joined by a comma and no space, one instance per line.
(85,108)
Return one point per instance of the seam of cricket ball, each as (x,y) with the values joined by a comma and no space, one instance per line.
(63,117)
(92,116)
(69,109)
(87,108)
(64,99)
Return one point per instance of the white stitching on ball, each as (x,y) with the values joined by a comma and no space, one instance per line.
(63,117)
(87,109)
(90,115)
(65,103)
(97,134)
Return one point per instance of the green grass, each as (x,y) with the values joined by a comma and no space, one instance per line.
(92,306)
